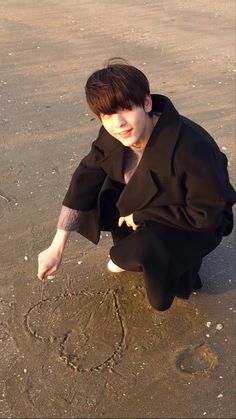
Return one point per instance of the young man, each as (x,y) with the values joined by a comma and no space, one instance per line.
(155,179)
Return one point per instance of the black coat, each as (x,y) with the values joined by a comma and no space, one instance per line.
(181,181)
(180,194)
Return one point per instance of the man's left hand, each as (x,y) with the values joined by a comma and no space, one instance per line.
(129,221)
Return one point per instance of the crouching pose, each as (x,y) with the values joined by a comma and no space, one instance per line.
(153,178)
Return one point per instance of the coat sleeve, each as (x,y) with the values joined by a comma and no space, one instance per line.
(86,181)
(202,170)
(205,180)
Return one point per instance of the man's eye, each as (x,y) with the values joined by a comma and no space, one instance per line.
(105,116)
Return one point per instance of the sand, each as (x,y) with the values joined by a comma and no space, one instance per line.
(88,344)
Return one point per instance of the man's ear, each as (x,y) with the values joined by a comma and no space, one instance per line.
(148,103)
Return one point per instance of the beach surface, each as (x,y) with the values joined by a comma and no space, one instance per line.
(85,343)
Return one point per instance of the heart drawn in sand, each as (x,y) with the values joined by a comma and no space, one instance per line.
(79,323)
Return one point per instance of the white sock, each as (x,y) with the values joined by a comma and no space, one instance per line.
(113,267)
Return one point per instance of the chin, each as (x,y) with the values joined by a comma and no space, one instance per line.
(128,143)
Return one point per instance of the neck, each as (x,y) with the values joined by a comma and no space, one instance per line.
(151,122)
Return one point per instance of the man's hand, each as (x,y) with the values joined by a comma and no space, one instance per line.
(50,259)
(129,221)
(48,262)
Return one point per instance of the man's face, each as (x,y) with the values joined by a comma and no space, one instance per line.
(128,126)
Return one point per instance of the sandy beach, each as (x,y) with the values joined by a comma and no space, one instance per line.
(86,343)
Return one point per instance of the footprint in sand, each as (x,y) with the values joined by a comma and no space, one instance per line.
(199,358)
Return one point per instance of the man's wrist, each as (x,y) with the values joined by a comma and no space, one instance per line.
(60,240)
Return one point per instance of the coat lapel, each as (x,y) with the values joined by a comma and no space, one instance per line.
(111,163)
(138,192)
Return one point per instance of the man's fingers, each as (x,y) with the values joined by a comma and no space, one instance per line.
(40,276)
(46,272)
(120,222)
(129,222)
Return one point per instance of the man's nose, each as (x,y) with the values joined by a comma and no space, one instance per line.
(119,120)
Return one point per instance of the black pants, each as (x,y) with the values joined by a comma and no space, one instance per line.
(169,258)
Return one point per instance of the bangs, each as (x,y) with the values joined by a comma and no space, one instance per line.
(110,100)
(119,86)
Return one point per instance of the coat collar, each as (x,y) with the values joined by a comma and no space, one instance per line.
(157,157)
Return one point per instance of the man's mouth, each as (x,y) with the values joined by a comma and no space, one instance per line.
(125,133)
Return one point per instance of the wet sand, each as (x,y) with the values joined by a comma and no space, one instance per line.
(88,344)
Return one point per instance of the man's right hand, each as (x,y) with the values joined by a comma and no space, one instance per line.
(49,261)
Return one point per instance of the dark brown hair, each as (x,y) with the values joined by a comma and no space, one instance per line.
(118,85)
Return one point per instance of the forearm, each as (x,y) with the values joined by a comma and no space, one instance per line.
(60,239)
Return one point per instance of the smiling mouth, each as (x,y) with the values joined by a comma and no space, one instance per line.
(124,133)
